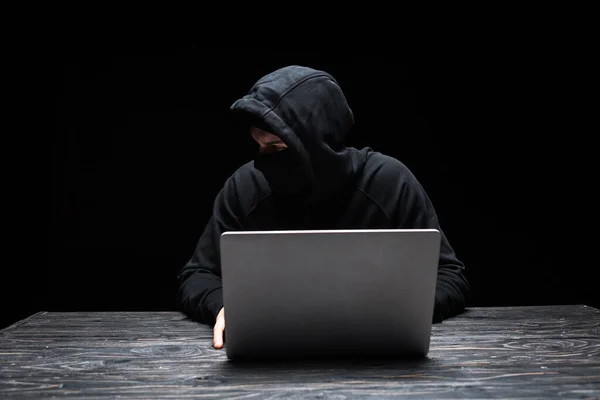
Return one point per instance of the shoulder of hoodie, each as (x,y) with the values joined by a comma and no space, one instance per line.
(387,180)
(243,190)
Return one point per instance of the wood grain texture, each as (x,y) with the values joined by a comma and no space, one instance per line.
(508,353)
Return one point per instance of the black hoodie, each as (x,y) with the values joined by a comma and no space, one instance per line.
(345,188)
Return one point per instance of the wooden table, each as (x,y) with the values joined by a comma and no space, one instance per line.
(525,352)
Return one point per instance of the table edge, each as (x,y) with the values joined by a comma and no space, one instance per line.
(580,305)
(22,321)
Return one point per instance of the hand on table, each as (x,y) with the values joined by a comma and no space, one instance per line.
(219,329)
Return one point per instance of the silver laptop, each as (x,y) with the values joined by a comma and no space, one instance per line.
(329,293)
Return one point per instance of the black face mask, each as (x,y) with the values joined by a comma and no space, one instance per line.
(283,172)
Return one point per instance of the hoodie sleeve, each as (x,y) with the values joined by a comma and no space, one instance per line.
(200,294)
(415,210)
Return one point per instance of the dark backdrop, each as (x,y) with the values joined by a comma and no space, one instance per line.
(143,143)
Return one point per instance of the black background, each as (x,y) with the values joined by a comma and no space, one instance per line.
(140,143)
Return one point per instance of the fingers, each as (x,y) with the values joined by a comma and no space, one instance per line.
(218,330)
(218,337)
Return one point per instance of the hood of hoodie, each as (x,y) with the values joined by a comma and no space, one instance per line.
(307,109)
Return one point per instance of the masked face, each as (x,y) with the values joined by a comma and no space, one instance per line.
(283,172)
(278,164)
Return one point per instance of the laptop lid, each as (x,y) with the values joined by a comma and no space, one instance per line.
(356,293)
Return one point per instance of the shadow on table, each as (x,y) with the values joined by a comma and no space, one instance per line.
(329,364)
(293,375)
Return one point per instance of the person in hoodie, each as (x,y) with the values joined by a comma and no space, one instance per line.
(305,177)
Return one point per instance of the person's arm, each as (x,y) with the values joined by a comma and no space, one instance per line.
(417,212)
(200,294)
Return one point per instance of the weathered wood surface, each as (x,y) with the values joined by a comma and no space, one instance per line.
(526,352)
